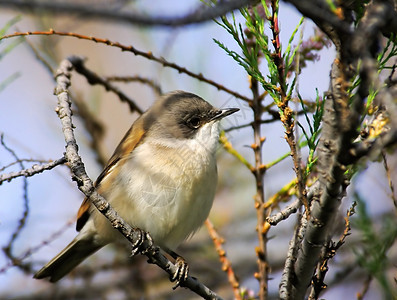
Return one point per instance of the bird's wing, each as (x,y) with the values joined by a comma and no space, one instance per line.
(130,141)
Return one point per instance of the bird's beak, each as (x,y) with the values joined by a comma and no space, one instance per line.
(220,114)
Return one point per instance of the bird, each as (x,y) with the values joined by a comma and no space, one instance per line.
(161,179)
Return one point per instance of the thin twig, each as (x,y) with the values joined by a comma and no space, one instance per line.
(226,264)
(268,121)
(237,127)
(288,277)
(150,82)
(18,261)
(92,78)
(35,169)
(92,124)
(282,195)
(285,213)
(372,147)
(318,285)
(8,249)
(227,145)
(388,174)
(293,207)
(47,65)
(139,239)
(367,282)
(41,161)
(262,226)
(148,55)
(286,114)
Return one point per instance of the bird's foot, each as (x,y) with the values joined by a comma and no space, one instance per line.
(137,245)
(181,272)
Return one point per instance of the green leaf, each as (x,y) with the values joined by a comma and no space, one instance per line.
(8,81)
(288,58)
(10,23)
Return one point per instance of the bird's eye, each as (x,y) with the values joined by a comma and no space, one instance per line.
(194,122)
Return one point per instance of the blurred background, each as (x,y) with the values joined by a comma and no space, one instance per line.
(47,203)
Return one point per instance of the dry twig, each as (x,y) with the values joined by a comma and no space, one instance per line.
(226,264)
(35,169)
(92,78)
(148,55)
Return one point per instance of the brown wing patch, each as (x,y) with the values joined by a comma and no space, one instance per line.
(129,142)
(83,214)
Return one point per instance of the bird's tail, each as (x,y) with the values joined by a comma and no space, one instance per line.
(74,253)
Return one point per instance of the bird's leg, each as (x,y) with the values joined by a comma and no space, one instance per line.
(182,269)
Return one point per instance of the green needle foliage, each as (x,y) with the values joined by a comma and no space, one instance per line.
(254,44)
(312,137)
(384,58)
(10,46)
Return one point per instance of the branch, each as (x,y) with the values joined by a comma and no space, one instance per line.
(372,148)
(140,240)
(389,179)
(364,290)
(17,261)
(293,207)
(341,119)
(318,284)
(30,160)
(92,124)
(288,278)
(92,78)
(148,55)
(141,19)
(149,82)
(227,145)
(322,16)
(35,169)
(286,113)
(262,227)
(8,249)
(226,264)
(333,142)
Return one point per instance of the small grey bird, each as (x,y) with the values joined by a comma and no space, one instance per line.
(161,178)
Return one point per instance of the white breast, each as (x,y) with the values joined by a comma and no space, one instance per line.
(166,187)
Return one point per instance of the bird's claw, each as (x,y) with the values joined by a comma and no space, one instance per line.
(181,272)
(137,245)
